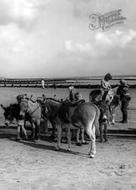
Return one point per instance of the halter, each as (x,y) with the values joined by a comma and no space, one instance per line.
(28,110)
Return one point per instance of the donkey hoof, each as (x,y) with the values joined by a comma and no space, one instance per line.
(68,149)
(18,139)
(112,123)
(37,140)
(6,125)
(79,144)
(85,143)
(105,140)
(57,148)
(26,138)
(91,155)
(101,140)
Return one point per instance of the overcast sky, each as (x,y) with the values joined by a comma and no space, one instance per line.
(51,38)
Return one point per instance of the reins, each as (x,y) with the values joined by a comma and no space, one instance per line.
(34,110)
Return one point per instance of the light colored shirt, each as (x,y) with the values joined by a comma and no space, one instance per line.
(42,82)
(105,85)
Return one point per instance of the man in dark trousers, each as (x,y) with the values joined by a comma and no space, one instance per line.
(123,92)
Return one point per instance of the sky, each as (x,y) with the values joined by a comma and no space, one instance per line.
(51,39)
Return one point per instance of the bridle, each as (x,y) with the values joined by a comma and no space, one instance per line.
(28,110)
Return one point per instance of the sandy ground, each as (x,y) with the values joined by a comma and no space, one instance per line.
(30,166)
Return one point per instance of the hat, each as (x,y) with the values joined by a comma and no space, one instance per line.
(123,82)
(109,76)
(71,87)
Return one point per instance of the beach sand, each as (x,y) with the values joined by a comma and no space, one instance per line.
(30,166)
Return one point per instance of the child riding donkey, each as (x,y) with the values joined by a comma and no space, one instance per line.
(102,98)
(107,93)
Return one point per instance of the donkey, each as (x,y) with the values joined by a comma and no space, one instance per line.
(12,112)
(112,99)
(107,110)
(33,110)
(50,109)
(83,115)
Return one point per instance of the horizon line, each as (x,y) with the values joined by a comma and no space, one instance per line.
(115,77)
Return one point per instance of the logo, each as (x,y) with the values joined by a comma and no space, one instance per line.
(105,21)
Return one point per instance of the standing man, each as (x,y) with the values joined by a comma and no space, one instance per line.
(43,83)
(123,92)
(72,92)
(105,85)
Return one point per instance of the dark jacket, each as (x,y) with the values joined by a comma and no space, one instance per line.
(123,92)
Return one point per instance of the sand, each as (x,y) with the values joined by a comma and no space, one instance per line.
(29,166)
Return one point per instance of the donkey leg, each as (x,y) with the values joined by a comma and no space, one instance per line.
(18,132)
(33,133)
(59,130)
(53,136)
(69,137)
(77,137)
(24,131)
(112,114)
(46,124)
(37,130)
(20,124)
(105,132)
(101,132)
(91,132)
(53,131)
(83,136)
(113,119)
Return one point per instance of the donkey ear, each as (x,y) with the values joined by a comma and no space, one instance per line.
(3,107)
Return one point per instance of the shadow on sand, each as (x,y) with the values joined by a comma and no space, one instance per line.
(11,135)
(44,146)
